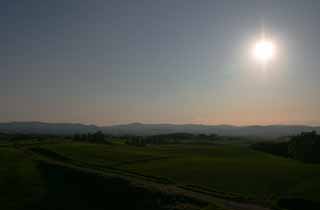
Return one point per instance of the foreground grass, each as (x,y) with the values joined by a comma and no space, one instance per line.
(20,181)
(29,183)
(237,170)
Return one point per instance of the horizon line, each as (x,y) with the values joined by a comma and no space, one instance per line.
(161,123)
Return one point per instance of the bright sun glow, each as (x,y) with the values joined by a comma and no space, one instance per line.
(264,51)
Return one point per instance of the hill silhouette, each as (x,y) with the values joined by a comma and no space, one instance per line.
(269,131)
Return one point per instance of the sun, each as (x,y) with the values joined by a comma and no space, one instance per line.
(264,51)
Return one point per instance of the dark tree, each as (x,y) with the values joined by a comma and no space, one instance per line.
(305,147)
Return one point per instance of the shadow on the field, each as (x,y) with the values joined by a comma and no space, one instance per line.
(298,204)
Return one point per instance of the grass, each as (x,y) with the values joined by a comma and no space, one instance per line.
(103,154)
(227,169)
(29,182)
(81,189)
(20,180)
(239,170)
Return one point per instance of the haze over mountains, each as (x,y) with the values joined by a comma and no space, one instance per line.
(270,131)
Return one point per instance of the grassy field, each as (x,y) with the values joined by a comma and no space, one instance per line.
(28,175)
(20,180)
(29,181)
(227,168)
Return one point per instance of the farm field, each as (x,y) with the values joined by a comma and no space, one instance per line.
(20,179)
(228,168)
(201,176)
(29,181)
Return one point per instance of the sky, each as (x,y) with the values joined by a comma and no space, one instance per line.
(159,61)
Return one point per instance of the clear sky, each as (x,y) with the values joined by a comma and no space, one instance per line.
(162,61)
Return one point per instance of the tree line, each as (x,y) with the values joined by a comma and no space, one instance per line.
(97,137)
(16,137)
(304,147)
(174,138)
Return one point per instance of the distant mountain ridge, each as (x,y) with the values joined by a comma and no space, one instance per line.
(46,128)
(270,131)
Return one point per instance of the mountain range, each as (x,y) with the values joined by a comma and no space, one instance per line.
(268,131)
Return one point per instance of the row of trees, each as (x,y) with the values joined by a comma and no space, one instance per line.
(304,147)
(275,148)
(174,138)
(97,137)
(16,137)
(135,141)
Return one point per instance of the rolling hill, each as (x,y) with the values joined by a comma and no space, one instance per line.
(270,131)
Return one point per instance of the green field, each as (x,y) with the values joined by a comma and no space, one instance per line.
(223,168)
(31,181)
(20,180)
(30,174)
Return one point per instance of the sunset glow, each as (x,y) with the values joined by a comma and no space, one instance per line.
(264,51)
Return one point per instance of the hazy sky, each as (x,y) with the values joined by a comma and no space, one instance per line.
(173,61)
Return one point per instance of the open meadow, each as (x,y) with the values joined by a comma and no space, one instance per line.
(226,171)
